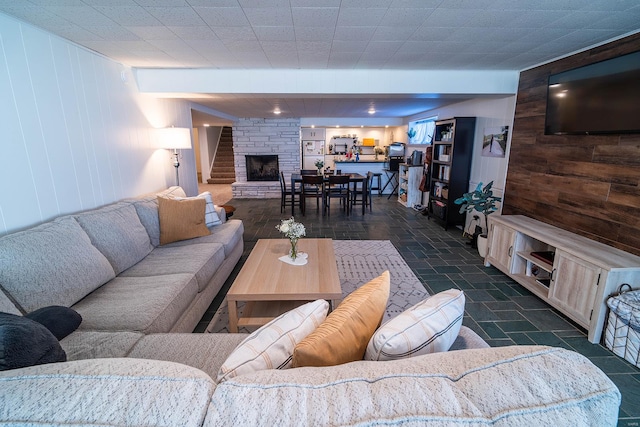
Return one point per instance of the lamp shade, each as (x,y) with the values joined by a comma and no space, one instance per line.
(174,138)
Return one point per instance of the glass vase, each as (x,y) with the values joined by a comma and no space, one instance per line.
(293,252)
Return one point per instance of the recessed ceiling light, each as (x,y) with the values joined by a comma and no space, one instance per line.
(372,110)
(337,126)
(386,126)
(206,125)
(276,111)
(313,126)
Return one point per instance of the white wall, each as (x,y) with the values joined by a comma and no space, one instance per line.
(76,133)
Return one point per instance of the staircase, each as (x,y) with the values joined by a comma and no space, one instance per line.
(223,171)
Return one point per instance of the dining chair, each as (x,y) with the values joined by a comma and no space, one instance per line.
(286,197)
(337,187)
(312,188)
(361,194)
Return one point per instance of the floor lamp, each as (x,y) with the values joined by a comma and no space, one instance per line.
(175,139)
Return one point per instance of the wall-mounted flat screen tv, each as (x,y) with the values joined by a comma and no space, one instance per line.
(599,98)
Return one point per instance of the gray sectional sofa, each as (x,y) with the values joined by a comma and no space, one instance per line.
(132,361)
(108,266)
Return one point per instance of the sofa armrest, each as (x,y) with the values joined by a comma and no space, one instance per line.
(105,392)
(221,213)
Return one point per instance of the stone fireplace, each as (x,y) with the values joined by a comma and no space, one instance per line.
(262,167)
(274,139)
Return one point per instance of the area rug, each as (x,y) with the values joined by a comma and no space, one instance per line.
(359,261)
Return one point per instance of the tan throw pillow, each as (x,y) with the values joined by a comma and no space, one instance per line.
(344,335)
(181,219)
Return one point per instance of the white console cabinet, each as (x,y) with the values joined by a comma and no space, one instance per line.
(572,273)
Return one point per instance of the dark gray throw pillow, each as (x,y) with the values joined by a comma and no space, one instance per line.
(24,342)
(60,320)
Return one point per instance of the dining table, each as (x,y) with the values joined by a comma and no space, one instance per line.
(296,178)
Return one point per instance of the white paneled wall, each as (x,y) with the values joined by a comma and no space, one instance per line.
(75,131)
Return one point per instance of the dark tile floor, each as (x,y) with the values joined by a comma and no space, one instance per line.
(497,308)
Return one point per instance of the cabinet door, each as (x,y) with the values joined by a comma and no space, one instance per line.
(501,241)
(574,286)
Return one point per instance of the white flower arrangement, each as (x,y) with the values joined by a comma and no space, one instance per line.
(291,229)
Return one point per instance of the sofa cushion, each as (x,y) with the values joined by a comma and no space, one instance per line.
(181,219)
(6,304)
(430,326)
(99,344)
(203,260)
(51,264)
(499,387)
(117,232)
(203,351)
(25,342)
(105,392)
(271,346)
(227,234)
(59,320)
(344,335)
(139,304)
(147,209)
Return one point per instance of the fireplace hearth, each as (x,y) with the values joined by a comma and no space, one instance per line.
(262,167)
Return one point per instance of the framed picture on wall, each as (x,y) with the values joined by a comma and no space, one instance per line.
(494,142)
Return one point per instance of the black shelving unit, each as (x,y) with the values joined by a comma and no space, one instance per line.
(450,169)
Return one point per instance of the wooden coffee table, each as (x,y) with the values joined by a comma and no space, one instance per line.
(269,287)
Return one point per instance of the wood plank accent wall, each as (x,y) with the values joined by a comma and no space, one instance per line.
(589,185)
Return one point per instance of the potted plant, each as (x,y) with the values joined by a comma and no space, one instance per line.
(483,201)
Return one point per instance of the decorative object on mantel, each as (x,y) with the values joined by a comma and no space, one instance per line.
(483,201)
(319,164)
(293,231)
(378,151)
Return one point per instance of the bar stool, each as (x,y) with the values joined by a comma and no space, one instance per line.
(378,186)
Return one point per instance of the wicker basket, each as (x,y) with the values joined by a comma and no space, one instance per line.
(622,335)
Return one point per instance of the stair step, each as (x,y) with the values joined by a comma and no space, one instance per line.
(221,180)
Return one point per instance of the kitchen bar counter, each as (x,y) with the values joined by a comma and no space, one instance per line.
(364,166)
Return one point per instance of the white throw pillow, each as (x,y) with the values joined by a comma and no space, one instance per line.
(430,326)
(211,217)
(271,346)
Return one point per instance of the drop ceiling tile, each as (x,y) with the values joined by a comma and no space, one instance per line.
(365,4)
(393,33)
(235,33)
(284,61)
(452,17)
(362,17)
(243,46)
(114,33)
(218,3)
(406,16)
(275,33)
(98,2)
(81,15)
(610,6)
(315,16)
(249,4)
(223,16)
(181,16)
(354,33)
(314,33)
(162,3)
(266,16)
(74,32)
(348,46)
(314,3)
(430,34)
(128,15)
(429,4)
(279,47)
(194,33)
(313,47)
(58,3)
(153,33)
